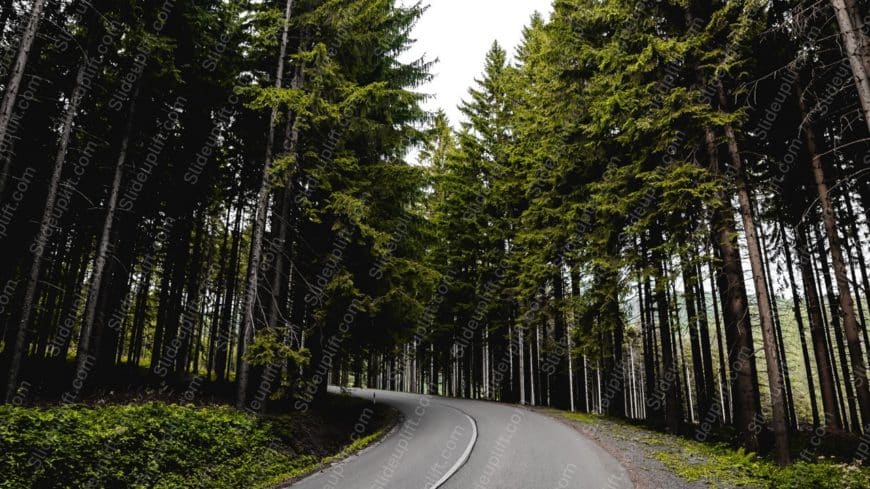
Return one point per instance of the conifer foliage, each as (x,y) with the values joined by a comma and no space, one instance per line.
(653,210)
(657,210)
(227,175)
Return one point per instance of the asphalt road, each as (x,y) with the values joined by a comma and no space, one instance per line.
(459,444)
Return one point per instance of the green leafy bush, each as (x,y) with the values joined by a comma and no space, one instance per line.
(696,461)
(147,445)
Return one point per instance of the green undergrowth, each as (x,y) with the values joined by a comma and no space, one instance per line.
(720,465)
(171,446)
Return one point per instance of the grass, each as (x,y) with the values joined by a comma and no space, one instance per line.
(720,465)
(164,445)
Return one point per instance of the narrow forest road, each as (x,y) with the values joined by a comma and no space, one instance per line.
(461,444)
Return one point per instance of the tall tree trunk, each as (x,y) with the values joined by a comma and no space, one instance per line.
(735,313)
(830,348)
(654,411)
(168,356)
(190,316)
(10,97)
(581,376)
(818,330)
(771,354)
(280,278)
(219,296)
(791,416)
(259,221)
(45,224)
(841,346)
(138,329)
(731,286)
(863,30)
(112,311)
(231,278)
(704,330)
(561,397)
(617,338)
(858,306)
(855,43)
(103,245)
(72,304)
(692,315)
(77,263)
(669,378)
(862,267)
(678,342)
(48,319)
(800,324)
(724,383)
(829,218)
(521,363)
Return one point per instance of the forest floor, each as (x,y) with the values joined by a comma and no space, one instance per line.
(657,460)
(166,445)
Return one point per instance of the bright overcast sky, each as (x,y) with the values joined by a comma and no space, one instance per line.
(459,33)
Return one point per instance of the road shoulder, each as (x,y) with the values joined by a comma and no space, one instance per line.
(634,447)
(394,420)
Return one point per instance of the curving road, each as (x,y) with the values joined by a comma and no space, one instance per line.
(460,444)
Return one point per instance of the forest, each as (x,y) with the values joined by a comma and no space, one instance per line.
(657,211)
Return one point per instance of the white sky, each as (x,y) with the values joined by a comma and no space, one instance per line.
(459,33)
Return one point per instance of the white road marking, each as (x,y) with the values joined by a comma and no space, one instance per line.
(464,458)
